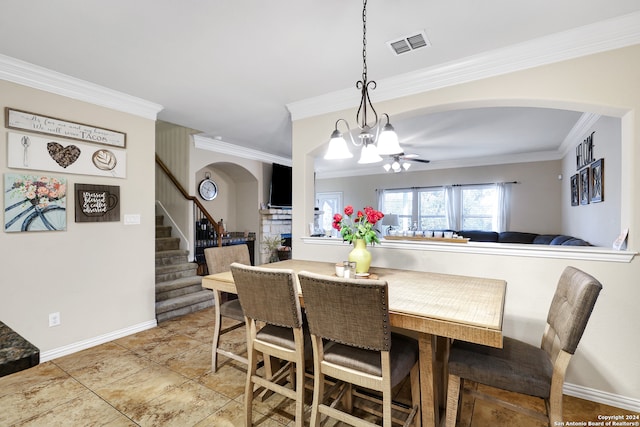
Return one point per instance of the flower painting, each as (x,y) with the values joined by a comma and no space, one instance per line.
(34,203)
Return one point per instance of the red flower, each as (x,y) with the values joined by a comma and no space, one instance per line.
(336,221)
(360,227)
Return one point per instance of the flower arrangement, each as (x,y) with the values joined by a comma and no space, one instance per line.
(360,227)
(39,191)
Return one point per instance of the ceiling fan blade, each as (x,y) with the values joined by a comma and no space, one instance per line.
(420,160)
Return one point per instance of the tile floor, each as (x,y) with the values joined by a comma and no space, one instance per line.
(162,377)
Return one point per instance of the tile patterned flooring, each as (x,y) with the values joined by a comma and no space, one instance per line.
(162,377)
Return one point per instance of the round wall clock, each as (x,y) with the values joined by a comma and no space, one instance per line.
(208,189)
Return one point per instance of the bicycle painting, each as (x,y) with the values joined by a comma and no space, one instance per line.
(34,203)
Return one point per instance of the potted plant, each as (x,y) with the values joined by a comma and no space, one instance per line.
(271,245)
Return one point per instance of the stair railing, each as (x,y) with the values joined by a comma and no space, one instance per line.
(199,210)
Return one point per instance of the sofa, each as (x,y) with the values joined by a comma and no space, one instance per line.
(520,237)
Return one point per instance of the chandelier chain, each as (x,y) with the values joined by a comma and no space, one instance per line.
(364,41)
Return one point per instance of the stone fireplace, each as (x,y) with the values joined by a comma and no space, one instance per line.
(274,223)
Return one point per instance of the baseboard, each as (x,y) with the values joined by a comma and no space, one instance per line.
(603,397)
(92,342)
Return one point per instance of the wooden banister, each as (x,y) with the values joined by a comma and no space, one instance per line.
(187,196)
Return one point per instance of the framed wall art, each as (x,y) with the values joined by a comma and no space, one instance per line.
(584,186)
(97,203)
(24,120)
(597,181)
(34,203)
(575,191)
(56,155)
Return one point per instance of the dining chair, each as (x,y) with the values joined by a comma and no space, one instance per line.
(270,296)
(523,368)
(219,259)
(353,343)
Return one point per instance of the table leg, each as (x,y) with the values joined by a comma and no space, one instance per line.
(429,401)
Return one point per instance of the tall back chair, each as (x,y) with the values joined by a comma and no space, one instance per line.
(219,259)
(271,296)
(522,368)
(352,342)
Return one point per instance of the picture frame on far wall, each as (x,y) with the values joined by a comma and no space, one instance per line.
(575,192)
(597,181)
(584,186)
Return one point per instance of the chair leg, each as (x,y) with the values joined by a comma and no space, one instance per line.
(299,384)
(252,356)
(453,400)
(415,393)
(216,334)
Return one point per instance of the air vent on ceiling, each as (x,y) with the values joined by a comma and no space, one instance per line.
(409,43)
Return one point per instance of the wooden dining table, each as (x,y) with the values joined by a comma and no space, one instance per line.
(435,307)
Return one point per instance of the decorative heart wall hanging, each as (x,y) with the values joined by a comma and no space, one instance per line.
(64,156)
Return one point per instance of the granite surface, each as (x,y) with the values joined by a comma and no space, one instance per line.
(16,353)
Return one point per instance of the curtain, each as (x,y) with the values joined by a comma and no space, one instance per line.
(451,207)
(501,217)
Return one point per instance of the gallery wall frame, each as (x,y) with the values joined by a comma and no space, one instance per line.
(584,185)
(57,155)
(34,203)
(97,203)
(575,191)
(597,181)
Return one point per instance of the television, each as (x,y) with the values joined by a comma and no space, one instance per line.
(280,194)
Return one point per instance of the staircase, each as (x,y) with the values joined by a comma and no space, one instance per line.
(178,287)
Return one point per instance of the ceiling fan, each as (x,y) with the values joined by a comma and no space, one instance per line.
(400,162)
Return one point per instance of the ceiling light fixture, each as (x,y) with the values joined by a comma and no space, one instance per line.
(374,140)
(396,166)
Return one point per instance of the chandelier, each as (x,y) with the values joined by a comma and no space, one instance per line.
(373,140)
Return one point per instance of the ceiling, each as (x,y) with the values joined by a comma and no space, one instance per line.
(235,72)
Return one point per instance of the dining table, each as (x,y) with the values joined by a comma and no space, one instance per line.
(436,308)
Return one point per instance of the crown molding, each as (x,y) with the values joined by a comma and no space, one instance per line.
(579,132)
(26,74)
(590,39)
(219,146)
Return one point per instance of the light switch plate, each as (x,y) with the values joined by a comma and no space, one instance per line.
(132,219)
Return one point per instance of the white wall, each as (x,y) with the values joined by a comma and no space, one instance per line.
(98,276)
(606,361)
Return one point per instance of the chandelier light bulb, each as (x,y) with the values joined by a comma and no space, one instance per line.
(369,154)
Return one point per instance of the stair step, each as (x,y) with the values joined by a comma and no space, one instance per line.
(167,243)
(159,219)
(166,273)
(163,231)
(171,257)
(205,296)
(178,287)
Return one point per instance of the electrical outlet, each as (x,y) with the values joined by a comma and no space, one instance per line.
(54,319)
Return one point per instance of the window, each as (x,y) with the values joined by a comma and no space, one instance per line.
(432,214)
(461,207)
(478,207)
(424,207)
(329,204)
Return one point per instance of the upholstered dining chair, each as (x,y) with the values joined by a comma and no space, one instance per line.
(353,343)
(270,296)
(219,259)
(522,368)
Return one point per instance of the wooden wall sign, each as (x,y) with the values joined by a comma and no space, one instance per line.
(23,120)
(97,203)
